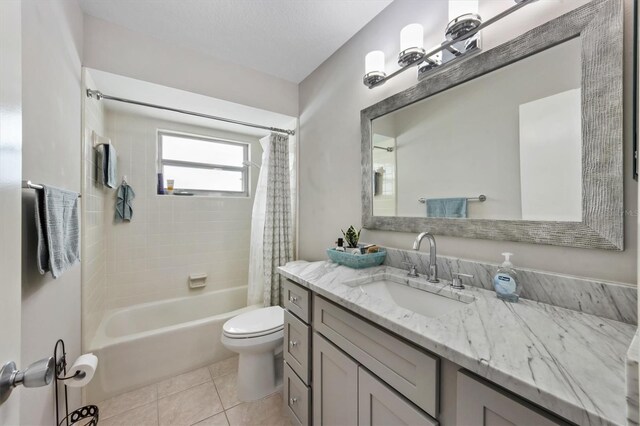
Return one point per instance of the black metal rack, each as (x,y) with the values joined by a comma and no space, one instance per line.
(88,412)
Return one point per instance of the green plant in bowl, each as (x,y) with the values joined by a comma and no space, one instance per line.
(351,236)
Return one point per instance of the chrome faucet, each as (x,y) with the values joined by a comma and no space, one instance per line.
(433,267)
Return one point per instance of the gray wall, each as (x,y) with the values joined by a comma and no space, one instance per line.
(330,102)
(111,48)
(51,61)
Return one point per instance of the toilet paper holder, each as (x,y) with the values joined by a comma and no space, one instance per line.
(89,412)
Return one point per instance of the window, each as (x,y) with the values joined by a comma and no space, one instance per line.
(204,165)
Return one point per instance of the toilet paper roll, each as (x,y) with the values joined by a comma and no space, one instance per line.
(87,364)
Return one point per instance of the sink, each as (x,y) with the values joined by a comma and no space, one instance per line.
(419,296)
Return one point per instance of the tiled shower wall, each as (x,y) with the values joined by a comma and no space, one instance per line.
(170,237)
(94,248)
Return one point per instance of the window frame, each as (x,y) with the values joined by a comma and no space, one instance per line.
(245,193)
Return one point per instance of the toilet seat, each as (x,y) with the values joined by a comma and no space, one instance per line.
(256,323)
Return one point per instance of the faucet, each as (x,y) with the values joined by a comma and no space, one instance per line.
(433,267)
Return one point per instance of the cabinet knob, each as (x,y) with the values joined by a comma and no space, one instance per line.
(293,343)
(293,299)
(292,401)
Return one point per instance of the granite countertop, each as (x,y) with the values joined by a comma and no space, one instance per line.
(569,362)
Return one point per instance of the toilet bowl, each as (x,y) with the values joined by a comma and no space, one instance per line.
(256,336)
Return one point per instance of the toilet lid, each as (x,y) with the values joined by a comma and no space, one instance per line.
(256,323)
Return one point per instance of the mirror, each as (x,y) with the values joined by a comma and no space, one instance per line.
(504,146)
(522,142)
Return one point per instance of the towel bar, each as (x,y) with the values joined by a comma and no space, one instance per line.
(482,198)
(27,184)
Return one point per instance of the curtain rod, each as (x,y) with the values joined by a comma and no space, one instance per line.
(99,96)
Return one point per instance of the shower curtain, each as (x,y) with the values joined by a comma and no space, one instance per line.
(255,289)
(272,242)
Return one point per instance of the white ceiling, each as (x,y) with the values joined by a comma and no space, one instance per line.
(283,38)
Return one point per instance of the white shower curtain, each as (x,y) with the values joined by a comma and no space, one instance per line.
(255,289)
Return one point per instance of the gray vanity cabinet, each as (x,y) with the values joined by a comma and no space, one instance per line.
(335,385)
(483,404)
(379,405)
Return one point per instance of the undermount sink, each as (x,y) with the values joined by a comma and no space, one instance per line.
(430,300)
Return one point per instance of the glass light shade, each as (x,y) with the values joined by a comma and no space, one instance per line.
(411,36)
(374,61)
(462,7)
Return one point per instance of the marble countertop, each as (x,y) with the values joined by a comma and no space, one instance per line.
(569,362)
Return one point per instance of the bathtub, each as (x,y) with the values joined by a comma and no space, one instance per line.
(146,343)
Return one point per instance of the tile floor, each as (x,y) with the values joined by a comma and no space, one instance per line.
(206,396)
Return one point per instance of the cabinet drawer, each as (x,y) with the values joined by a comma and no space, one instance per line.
(296,345)
(484,404)
(411,371)
(297,397)
(379,405)
(297,300)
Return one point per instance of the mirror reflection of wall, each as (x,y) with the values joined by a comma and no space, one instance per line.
(513,134)
(384,169)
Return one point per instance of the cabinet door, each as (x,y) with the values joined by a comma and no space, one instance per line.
(480,403)
(379,405)
(335,385)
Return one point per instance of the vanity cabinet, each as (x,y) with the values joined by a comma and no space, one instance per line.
(484,404)
(342,370)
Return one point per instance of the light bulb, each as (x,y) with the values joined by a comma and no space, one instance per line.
(374,62)
(411,36)
(462,7)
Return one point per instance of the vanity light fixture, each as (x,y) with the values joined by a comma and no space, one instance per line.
(374,68)
(411,45)
(461,38)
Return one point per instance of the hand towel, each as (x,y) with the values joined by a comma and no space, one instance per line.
(100,160)
(447,207)
(58,228)
(124,206)
(111,166)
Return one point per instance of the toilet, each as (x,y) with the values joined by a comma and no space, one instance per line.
(256,336)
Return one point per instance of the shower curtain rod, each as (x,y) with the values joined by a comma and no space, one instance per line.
(99,96)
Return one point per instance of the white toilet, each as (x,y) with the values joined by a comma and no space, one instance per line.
(256,336)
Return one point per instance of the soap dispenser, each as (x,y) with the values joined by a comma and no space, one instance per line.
(505,283)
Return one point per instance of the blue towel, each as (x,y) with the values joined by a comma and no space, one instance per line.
(447,207)
(58,228)
(124,206)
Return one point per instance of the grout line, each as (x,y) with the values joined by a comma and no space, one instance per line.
(224,410)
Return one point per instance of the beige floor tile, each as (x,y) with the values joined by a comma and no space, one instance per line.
(147,415)
(227,366)
(217,420)
(183,381)
(127,401)
(265,412)
(227,387)
(189,406)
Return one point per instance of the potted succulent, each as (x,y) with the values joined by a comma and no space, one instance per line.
(351,236)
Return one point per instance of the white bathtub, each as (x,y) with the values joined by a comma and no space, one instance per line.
(146,343)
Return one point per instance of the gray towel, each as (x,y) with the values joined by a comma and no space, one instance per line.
(106,165)
(58,227)
(124,199)
(111,166)
(100,163)
(447,207)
